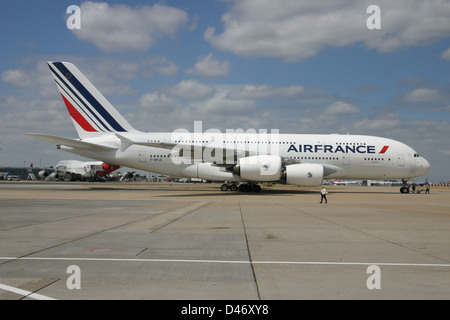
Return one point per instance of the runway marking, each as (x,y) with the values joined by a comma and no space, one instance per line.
(26,294)
(401,264)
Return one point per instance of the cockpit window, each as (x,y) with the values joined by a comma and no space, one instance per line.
(416,155)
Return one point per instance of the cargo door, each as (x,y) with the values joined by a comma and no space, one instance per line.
(142,156)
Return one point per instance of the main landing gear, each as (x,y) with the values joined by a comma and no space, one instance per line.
(244,187)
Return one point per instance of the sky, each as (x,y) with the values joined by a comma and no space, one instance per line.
(329,66)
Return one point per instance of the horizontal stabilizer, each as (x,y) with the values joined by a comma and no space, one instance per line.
(76,144)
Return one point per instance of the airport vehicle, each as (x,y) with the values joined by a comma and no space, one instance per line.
(77,170)
(240,159)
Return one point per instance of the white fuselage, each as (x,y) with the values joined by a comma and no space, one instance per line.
(343,156)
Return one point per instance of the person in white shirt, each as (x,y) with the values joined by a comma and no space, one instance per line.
(323,195)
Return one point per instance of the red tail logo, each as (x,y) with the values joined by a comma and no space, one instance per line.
(384,149)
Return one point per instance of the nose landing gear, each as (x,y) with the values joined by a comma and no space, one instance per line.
(405,186)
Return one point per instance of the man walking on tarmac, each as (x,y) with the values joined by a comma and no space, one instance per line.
(323,195)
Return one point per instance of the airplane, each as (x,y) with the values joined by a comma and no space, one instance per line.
(239,159)
(339,182)
(76,170)
(127,176)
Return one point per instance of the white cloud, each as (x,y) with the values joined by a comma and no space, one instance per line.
(117,28)
(16,77)
(157,100)
(215,103)
(31,77)
(378,125)
(158,64)
(446,55)
(341,108)
(191,90)
(423,95)
(294,30)
(261,91)
(221,104)
(208,67)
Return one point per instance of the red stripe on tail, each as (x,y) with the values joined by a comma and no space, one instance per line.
(78,117)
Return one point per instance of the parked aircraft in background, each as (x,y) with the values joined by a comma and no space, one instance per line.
(76,170)
(127,176)
(240,159)
(340,182)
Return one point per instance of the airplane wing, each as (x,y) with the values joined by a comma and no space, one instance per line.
(229,156)
(77,144)
(193,149)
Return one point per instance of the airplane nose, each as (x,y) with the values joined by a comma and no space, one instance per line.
(423,167)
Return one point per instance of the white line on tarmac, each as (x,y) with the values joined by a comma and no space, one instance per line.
(236,261)
(25,293)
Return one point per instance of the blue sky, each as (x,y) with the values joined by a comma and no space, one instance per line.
(296,66)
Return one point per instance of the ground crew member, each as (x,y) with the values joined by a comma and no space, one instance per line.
(323,195)
(428,188)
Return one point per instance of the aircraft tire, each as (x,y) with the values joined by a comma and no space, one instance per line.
(244,187)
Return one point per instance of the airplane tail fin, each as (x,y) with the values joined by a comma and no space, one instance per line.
(91,113)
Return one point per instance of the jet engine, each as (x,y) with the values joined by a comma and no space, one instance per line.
(43,174)
(260,168)
(304,174)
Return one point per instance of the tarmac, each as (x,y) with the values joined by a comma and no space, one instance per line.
(162,241)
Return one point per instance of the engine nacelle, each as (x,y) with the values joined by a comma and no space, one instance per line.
(43,174)
(209,172)
(304,174)
(260,168)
